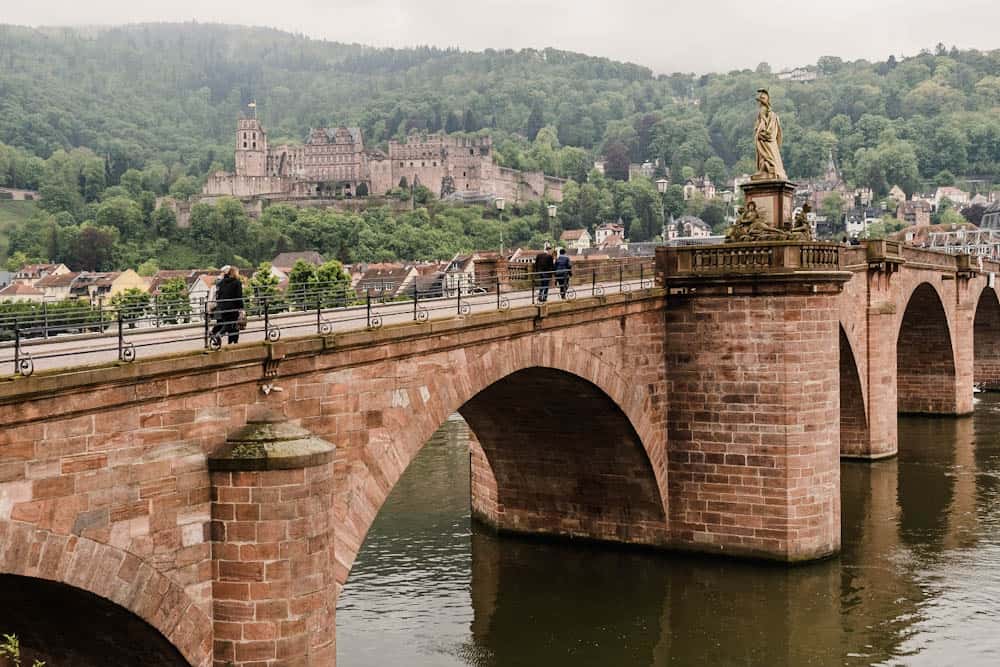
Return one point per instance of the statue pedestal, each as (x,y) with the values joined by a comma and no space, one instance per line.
(773,200)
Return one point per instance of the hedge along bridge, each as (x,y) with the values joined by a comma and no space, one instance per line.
(707,413)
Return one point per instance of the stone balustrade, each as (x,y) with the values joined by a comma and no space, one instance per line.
(753,259)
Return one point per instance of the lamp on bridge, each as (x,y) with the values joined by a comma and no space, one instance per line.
(552,210)
(499,203)
(661,185)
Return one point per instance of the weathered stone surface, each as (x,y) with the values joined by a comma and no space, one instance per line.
(707,419)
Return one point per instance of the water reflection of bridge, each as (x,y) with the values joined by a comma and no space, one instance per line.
(905,520)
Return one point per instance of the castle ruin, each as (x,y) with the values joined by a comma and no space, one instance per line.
(334,163)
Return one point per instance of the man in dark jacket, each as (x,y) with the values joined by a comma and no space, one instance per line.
(228,304)
(564,269)
(543,272)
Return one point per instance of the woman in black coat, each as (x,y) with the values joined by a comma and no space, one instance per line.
(228,304)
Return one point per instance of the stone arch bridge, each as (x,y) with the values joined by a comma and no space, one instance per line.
(707,414)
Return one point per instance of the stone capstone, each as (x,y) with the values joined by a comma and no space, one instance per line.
(266,445)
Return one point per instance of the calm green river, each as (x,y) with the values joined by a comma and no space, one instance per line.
(917,583)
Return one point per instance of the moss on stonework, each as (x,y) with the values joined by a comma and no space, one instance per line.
(271,446)
(248,450)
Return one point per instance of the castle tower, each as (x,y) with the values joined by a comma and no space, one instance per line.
(251,148)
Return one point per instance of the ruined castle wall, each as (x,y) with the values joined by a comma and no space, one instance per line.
(232,185)
(380,173)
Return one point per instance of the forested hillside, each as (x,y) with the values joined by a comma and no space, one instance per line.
(169,93)
(103,121)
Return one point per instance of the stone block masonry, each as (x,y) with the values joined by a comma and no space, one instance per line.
(708,415)
(273,587)
(754,444)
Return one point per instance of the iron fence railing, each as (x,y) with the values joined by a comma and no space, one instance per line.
(79,333)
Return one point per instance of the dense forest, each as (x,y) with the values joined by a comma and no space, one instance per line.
(132,113)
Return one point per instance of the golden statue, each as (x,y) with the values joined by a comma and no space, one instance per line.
(767,137)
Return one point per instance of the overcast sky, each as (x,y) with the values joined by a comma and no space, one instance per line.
(666,35)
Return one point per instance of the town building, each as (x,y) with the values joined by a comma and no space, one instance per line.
(800,74)
(645,170)
(914,213)
(18,194)
(687,226)
(335,163)
(991,217)
(18,292)
(57,286)
(105,286)
(575,238)
(29,274)
(896,194)
(702,185)
(607,230)
(386,281)
(956,196)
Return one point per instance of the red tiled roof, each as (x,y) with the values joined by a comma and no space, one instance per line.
(58,280)
(20,289)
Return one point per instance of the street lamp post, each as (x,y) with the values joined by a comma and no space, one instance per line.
(552,210)
(661,186)
(499,203)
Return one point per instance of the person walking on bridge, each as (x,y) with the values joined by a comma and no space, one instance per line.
(564,269)
(543,272)
(228,304)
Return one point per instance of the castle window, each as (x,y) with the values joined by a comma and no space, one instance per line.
(244,144)
(401,164)
(472,151)
(434,164)
(423,164)
(255,144)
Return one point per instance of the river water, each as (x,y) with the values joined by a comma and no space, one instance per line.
(917,582)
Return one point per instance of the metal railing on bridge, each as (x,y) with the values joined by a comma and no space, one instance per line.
(68,331)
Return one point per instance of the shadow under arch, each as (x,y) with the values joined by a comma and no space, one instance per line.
(549,378)
(854,437)
(113,574)
(986,340)
(925,358)
(64,625)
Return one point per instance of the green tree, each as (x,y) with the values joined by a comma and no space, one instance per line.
(536,121)
(264,287)
(148,268)
(673,201)
(133,304)
(122,214)
(715,169)
(302,285)
(616,161)
(184,187)
(173,305)
(131,180)
(333,284)
(832,207)
(714,215)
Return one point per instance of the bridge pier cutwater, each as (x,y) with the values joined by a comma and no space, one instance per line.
(706,414)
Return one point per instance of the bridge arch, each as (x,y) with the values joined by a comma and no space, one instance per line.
(986,339)
(112,574)
(483,385)
(925,356)
(854,435)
